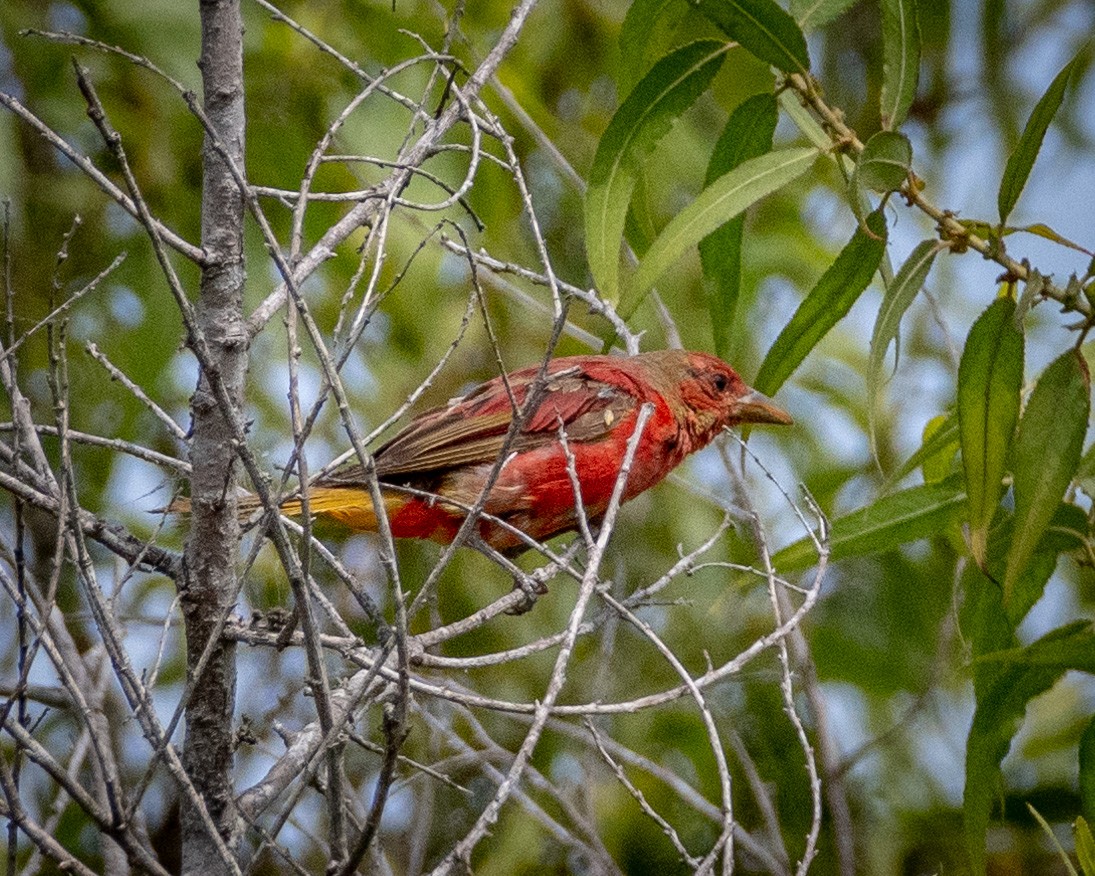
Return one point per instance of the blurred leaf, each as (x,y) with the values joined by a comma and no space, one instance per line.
(938,466)
(874,631)
(990,378)
(812,14)
(671,86)
(915,513)
(1026,150)
(996,40)
(935,444)
(763,29)
(884,163)
(898,297)
(1047,452)
(748,134)
(996,720)
(825,305)
(1085,846)
(1073,647)
(636,31)
(900,60)
(1087,774)
(724,199)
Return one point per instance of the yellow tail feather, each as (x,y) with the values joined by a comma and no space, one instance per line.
(350,506)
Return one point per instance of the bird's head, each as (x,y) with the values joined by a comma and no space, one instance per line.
(713,395)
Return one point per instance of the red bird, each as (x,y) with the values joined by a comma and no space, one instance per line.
(450,451)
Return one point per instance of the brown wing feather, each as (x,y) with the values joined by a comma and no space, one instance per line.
(472,431)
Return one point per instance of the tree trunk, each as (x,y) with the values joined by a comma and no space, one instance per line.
(211,553)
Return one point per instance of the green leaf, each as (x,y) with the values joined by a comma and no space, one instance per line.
(939,466)
(671,86)
(1040,229)
(915,513)
(990,378)
(1066,862)
(1066,531)
(1026,150)
(1085,843)
(884,163)
(635,34)
(1087,772)
(900,60)
(812,14)
(996,720)
(985,625)
(810,127)
(724,199)
(748,134)
(763,29)
(899,295)
(825,305)
(1047,453)
(1072,647)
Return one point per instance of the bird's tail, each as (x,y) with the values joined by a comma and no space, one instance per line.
(351,506)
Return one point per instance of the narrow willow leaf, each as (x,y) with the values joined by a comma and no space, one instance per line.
(1026,151)
(825,305)
(985,626)
(915,513)
(1047,452)
(635,34)
(899,295)
(671,86)
(990,377)
(996,720)
(763,29)
(724,199)
(748,134)
(811,129)
(1072,647)
(900,60)
(1040,229)
(1066,532)
(1085,842)
(884,163)
(812,14)
(1051,837)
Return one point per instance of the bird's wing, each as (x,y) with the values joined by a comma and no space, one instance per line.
(472,430)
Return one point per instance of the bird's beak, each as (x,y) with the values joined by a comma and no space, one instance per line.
(756,407)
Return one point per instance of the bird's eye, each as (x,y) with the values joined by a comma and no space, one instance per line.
(720,382)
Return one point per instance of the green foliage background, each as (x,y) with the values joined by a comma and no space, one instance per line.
(891,647)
